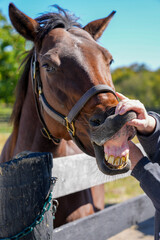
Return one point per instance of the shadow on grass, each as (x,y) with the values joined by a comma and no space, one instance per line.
(147,227)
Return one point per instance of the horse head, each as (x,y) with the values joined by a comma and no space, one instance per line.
(73,87)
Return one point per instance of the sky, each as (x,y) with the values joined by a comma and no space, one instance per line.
(133,35)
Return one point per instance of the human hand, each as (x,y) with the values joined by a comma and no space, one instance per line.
(135,154)
(144,123)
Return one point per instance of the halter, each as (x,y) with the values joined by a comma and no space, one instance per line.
(67,121)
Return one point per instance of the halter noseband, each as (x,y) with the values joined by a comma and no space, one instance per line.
(67,121)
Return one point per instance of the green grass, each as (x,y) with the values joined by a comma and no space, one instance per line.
(5,128)
(5,110)
(121,190)
(3,138)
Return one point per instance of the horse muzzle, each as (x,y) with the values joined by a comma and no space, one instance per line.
(105,132)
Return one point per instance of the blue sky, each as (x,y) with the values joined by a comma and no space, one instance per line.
(133,35)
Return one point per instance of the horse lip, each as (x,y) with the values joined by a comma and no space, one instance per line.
(99,154)
(105,131)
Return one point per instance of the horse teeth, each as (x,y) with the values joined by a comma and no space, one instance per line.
(120,161)
(117,161)
(111,159)
(123,159)
(127,157)
(106,156)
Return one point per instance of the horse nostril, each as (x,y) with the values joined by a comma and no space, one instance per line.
(95,122)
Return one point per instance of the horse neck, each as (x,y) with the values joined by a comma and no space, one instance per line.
(28,136)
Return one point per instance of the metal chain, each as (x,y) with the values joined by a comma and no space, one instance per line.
(39,217)
(54,207)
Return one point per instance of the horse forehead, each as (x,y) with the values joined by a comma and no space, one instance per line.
(61,34)
(70,41)
(77,46)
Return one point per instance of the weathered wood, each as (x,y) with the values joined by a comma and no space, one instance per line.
(79,172)
(24,185)
(108,222)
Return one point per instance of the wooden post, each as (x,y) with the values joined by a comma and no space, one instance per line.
(25,183)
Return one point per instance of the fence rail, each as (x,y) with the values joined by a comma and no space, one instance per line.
(4,117)
(105,223)
(78,172)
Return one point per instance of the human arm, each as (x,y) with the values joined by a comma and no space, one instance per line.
(151,142)
(147,173)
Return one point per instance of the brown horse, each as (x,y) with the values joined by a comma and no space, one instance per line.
(67,73)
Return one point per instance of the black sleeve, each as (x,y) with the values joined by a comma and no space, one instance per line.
(148,174)
(151,142)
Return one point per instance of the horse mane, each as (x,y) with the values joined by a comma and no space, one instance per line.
(51,20)
(47,22)
(21,90)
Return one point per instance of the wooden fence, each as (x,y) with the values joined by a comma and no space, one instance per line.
(105,223)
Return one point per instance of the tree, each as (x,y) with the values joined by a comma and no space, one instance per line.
(138,82)
(12,45)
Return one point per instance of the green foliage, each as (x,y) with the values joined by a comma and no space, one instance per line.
(138,82)
(5,110)
(12,45)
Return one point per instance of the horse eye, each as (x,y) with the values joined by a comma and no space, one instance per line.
(111,61)
(48,68)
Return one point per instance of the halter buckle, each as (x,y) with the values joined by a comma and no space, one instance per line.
(69,125)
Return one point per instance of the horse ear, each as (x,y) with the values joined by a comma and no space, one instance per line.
(25,25)
(97,27)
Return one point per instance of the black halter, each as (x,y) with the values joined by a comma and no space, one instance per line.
(67,121)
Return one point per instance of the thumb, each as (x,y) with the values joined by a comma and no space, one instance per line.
(138,123)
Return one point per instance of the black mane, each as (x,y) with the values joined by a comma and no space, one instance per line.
(61,19)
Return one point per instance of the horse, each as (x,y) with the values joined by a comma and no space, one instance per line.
(65,100)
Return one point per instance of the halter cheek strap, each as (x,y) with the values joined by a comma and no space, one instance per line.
(67,121)
(36,86)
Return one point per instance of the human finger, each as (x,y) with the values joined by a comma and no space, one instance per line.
(124,106)
(121,96)
(138,123)
(127,105)
(120,105)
